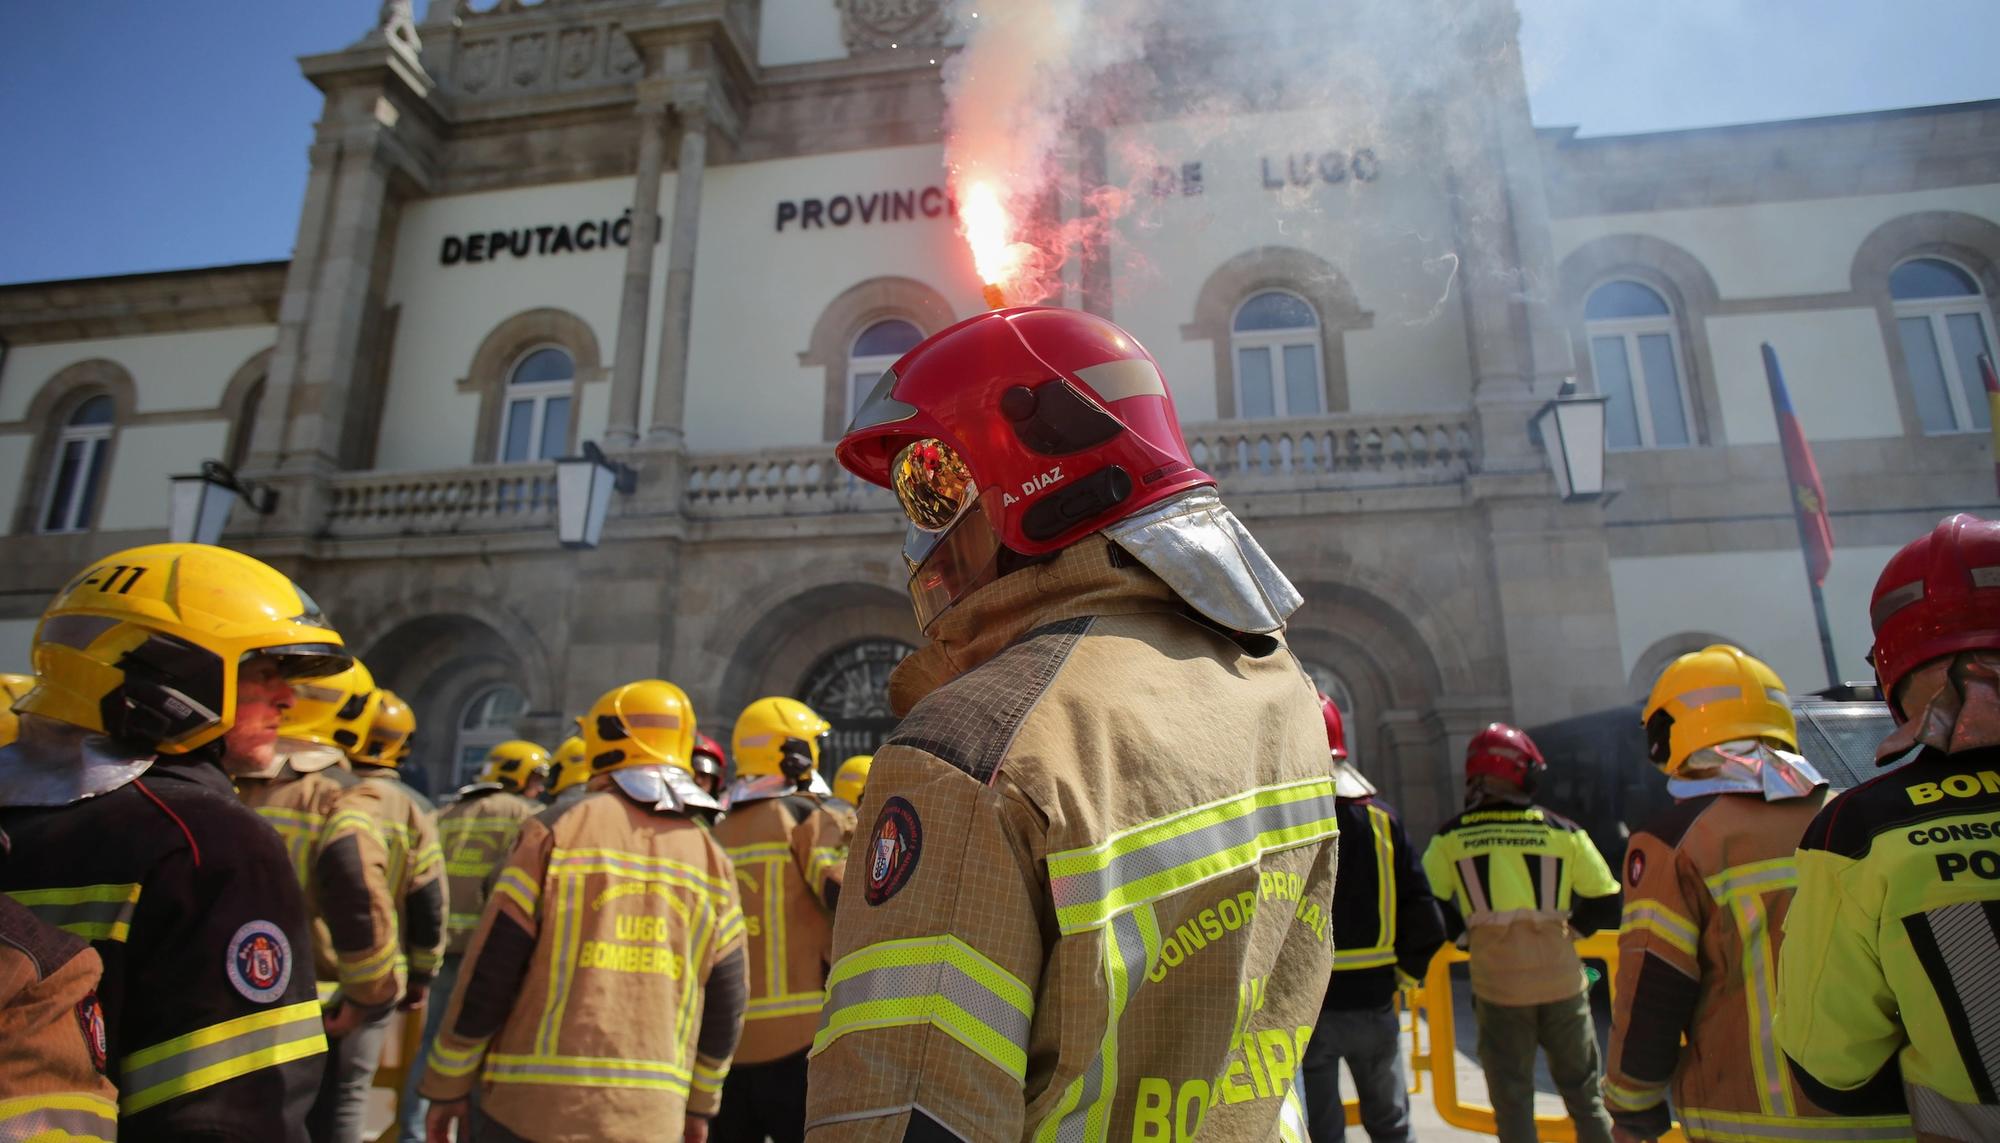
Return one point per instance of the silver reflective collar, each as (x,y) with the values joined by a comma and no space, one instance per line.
(666,789)
(54,763)
(1748,766)
(762,786)
(1211,560)
(1349,782)
(302,757)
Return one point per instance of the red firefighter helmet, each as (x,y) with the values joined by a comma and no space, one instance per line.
(1504,752)
(1938,596)
(1027,428)
(1336,728)
(709,761)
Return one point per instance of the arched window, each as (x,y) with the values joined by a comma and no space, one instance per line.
(1944,324)
(539,390)
(875,350)
(849,687)
(1274,340)
(1635,352)
(483,723)
(1334,687)
(77,477)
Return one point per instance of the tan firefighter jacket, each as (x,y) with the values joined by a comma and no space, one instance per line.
(381,835)
(1707,886)
(1090,894)
(476,833)
(298,804)
(788,853)
(583,1006)
(52,1035)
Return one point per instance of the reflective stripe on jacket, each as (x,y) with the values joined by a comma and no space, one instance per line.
(52,1081)
(298,806)
(190,900)
(787,853)
(581,998)
(476,833)
(380,835)
(1089,896)
(1707,886)
(1513,873)
(1384,917)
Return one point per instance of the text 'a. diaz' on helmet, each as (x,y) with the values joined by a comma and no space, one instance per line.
(512,763)
(387,740)
(644,723)
(1715,695)
(770,728)
(334,711)
(144,646)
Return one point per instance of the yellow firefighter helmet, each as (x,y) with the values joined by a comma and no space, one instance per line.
(12,688)
(764,728)
(851,777)
(143,646)
(513,762)
(647,723)
(334,711)
(569,767)
(387,742)
(1717,694)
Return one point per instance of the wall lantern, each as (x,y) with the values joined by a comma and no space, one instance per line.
(199,504)
(584,485)
(1570,430)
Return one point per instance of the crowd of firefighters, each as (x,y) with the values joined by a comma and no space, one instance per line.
(1087,893)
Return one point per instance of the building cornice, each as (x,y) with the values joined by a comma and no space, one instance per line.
(124,305)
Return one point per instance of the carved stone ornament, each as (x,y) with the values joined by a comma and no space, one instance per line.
(623,60)
(526,56)
(875,25)
(478,64)
(576,52)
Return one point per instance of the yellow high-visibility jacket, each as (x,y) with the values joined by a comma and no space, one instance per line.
(476,833)
(381,836)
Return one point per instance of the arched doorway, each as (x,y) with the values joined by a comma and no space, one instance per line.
(484,721)
(849,687)
(470,687)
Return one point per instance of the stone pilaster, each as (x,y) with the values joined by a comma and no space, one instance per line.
(677,307)
(629,363)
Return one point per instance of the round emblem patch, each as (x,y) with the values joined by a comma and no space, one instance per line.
(893,849)
(90,1019)
(1635,867)
(259,961)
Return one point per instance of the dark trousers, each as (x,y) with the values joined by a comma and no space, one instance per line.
(1369,1040)
(1508,1037)
(340,1113)
(762,1101)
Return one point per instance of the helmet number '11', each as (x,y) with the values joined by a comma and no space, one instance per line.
(110,575)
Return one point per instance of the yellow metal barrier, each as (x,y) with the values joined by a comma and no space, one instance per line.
(1440,1017)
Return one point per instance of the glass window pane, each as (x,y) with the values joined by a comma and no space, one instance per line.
(555,428)
(858,388)
(93,480)
(96,411)
(1614,380)
(1926,375)
(1624,300)
(1968,341)
(543,365)
(69,467)
(520,424)
(1301,381)
(1253,381)
(1663,390)
(887,339)
(1275,310)
(1930,278)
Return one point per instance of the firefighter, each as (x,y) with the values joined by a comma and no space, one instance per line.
(52,1041)
(390,733)
(569,770)
(157,667)
(378,878)
(1522,882)
(1091,894)
(603,993)
(787,842)
(1889,978)
(476,832)
(1386,928)
(1707,884)
(711,766)
(852,778)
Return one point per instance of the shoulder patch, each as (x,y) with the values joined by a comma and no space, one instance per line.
(971,721)
(90,1022)
(894,846)
(1671,824)
(259,961)
(1635,866)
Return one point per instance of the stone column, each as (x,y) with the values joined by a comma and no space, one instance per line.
(676,311)
(267,436)
(629,361)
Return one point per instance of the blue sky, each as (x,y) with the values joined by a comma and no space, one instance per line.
(156,135)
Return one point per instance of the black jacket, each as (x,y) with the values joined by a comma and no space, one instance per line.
(1375,933)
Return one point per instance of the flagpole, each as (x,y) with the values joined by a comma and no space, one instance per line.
(1825,632)
(1791,434)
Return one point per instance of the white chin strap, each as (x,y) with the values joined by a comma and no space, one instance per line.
(1211,560)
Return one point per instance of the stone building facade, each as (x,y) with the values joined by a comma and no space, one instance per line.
(692,230)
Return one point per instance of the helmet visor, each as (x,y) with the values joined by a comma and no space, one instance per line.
(946,566)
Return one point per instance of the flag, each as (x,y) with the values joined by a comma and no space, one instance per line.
(1992,381)
(1808,494)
